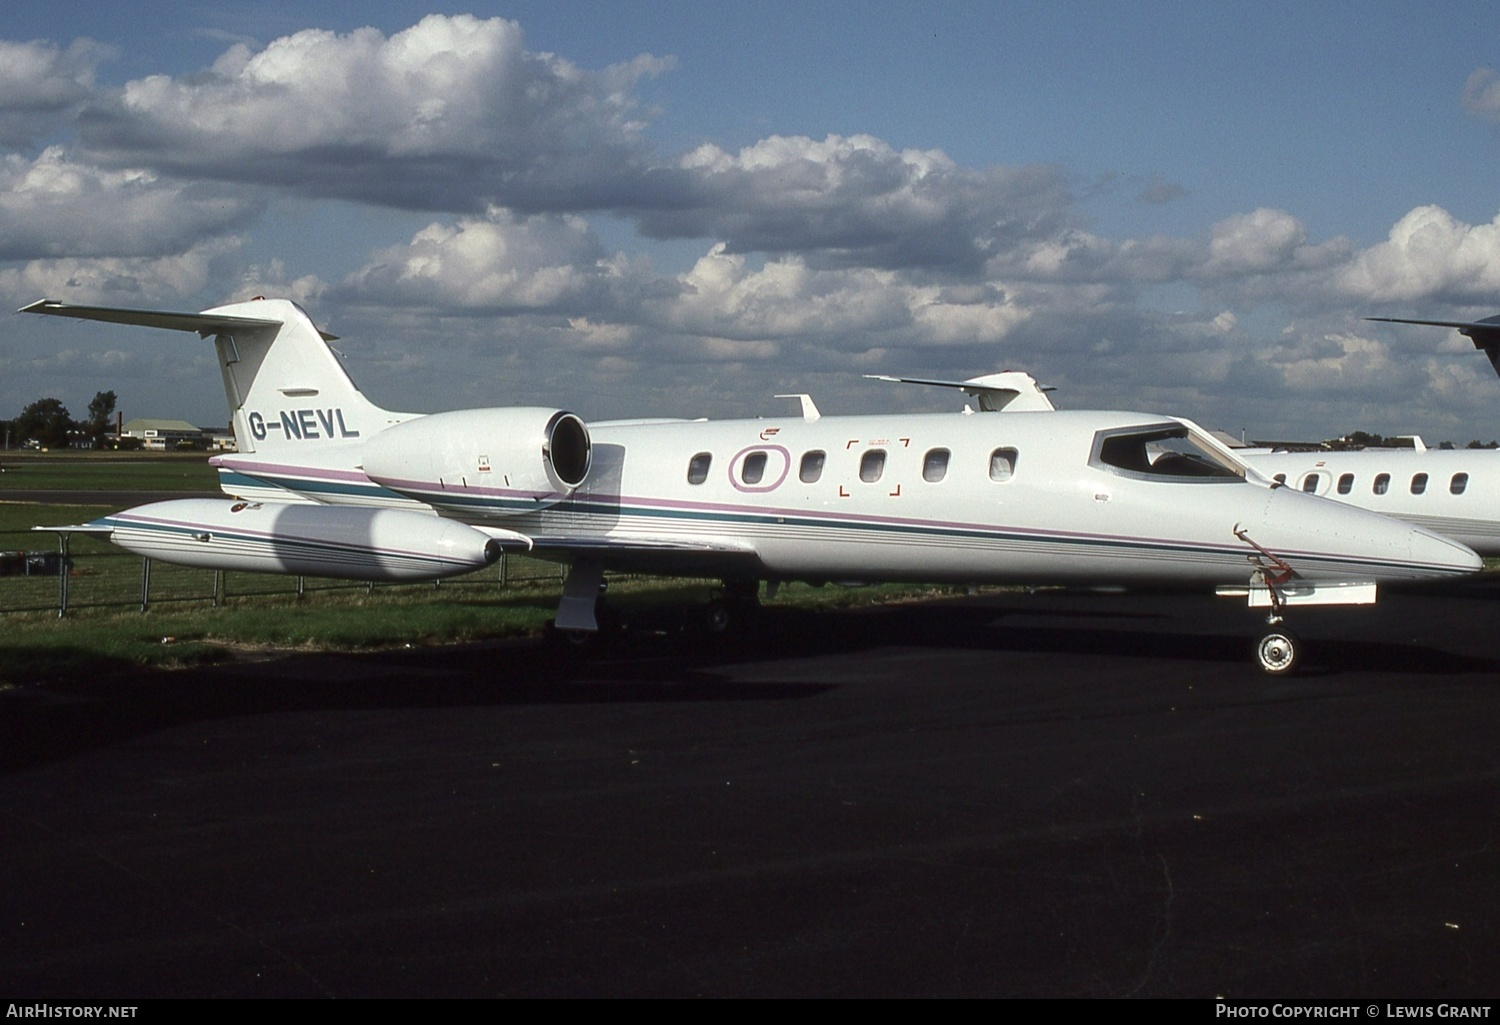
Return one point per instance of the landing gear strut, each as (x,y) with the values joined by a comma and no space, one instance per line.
(1278,650)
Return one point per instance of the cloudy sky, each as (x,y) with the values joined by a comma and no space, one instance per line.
(683,209)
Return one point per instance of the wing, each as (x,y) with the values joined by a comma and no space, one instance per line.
(1485,333)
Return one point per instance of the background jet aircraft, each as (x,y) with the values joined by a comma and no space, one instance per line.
(1454,492)
(326,482)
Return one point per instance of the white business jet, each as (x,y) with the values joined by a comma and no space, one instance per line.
(327,483)
(1454,492)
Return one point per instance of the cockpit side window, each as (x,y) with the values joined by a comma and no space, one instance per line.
(1166,452)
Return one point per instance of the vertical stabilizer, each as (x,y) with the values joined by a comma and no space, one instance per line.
(285,387)
(287,391)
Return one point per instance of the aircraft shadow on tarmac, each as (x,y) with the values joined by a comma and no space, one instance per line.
(68,717)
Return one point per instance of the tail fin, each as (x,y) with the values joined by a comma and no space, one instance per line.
(1485,333)
(284,385)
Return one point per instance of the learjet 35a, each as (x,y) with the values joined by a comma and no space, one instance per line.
(327,483)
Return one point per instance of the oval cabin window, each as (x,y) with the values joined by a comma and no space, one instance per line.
(1002,464)
(1419,484)
(1382,484)
(812,467)
(698,468)
(935,465)
(753,469)
(872,465)
(1459,483)
(1346,483)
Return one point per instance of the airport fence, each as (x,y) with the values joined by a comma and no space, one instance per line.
(41,572)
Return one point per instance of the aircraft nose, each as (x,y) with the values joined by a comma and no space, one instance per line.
(1444,555)
(1350,542)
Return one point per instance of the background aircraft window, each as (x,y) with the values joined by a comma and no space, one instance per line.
(812,467)
(753,468)
(1382,482)
(1310,483)
(935,465)
(1002,463)
(1459,483)
(1167,452)
(1346,483)
(698,468)
(872,465)
(1419,484)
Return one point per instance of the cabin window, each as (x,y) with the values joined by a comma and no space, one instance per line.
(1280,478)
(1382,484)
(1310,483)
(1002,464)
(1346,483)
(812,467)
(1419,484)
(698,468)
(935,465)
(872,465)
(753,469)
(1165,451)
(1459,483)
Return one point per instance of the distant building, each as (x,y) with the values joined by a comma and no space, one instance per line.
(164,435)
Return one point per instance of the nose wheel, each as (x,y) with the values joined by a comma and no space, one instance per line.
(1278,651)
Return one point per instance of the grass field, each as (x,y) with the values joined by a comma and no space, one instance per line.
(106,471)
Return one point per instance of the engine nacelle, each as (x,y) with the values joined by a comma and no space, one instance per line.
(483,462)
(313,540)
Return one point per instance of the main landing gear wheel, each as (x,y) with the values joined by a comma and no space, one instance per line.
(734,613)
(1278,651)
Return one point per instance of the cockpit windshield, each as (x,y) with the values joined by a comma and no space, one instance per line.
(1172,452)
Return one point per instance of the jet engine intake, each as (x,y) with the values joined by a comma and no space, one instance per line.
(483,461)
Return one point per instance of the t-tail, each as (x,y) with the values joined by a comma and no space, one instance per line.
(285,387)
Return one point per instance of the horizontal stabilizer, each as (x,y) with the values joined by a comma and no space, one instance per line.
(1011,390)
(1485,333)
(205,324)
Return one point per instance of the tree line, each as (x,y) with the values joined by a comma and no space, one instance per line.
(48,423)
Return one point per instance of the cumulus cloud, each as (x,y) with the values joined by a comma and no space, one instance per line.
(54,206)
(453,114)
(1429,255)
(497,263)
(856,200)
(39,82)
(123,281)
(1482,95)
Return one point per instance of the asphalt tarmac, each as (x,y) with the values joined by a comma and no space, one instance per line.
(1018,795)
